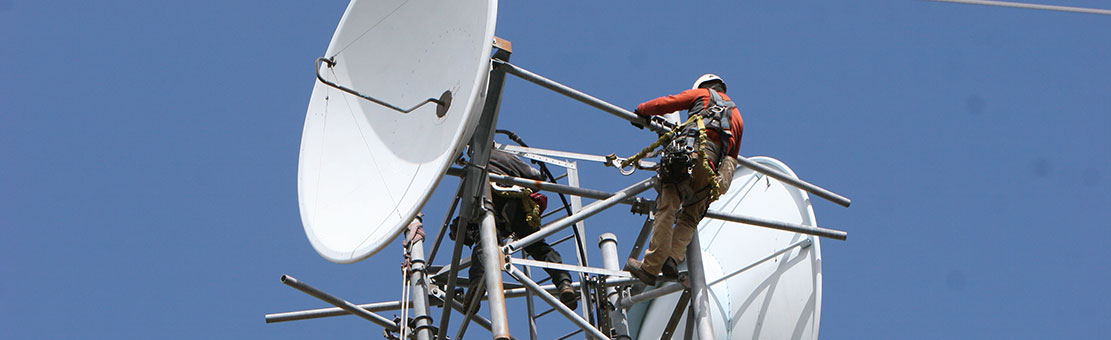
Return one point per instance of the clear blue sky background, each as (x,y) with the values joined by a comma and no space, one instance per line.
(148,156)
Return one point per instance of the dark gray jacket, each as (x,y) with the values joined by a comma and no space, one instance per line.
(504,163)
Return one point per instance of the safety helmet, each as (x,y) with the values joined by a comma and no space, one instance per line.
(705,78)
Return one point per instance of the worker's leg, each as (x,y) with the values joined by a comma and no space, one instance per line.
(475,271)
(542,251)
(667,204)
(695,200)
(517,217)
(502,226)
(725,173)
(686,225)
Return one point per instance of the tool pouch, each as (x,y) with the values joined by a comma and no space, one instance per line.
(677,161)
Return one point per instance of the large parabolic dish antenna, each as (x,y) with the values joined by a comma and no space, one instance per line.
(778,298)
(365,169)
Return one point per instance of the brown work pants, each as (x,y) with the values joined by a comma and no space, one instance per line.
(682,205)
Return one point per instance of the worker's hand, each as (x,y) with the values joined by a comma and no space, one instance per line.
(540,199)
(641,121)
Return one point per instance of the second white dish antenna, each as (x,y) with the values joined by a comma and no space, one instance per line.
(765,283)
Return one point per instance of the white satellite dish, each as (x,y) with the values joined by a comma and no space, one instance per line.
(780,298)
(365,169)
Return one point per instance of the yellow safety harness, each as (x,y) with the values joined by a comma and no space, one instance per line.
(702,145)
(532,210)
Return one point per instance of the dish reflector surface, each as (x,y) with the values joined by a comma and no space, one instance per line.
(777,299)
(365,170)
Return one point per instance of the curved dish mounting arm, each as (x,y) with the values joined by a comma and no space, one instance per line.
(442,104)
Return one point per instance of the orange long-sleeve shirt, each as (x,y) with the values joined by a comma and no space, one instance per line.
(692,98)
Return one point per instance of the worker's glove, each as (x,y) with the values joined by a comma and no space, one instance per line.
(540,199)
(641,121)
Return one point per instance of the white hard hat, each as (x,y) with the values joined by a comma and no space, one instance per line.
(708,78)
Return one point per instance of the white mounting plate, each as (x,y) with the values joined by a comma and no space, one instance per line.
(366,170)
(777,299)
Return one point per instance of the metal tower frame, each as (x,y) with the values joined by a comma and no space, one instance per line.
(605,292)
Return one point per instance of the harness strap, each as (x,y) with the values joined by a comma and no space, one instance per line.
(532,209)
(724,119)
(702,145)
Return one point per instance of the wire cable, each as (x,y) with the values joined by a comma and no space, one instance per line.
(1030,6)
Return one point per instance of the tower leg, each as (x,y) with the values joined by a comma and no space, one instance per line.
(423,328)
(492,262)
(700,302)
(611,260)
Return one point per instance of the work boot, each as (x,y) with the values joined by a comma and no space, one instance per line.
(567,294)
(636,268)
(670,269)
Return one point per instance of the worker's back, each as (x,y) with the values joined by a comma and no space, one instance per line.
(504,163)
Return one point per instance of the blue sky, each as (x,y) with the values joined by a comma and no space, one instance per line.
(148,155)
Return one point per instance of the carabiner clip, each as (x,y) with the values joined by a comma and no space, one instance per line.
(614,161)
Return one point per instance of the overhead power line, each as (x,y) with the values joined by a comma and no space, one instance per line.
(1031,6)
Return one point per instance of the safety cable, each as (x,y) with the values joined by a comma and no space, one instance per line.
(664,138)
(703,144)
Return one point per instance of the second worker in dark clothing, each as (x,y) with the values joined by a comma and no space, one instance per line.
(517,211)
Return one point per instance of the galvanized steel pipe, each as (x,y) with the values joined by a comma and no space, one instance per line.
(597,194)
(554,302)
(700,292)
(670,288)
(565,90)
(423,326)
(760,222)
(341,303)
(795,182)
(495,292)
(329,312)
(610,260)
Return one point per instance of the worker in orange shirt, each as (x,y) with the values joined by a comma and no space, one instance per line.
(685,184)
